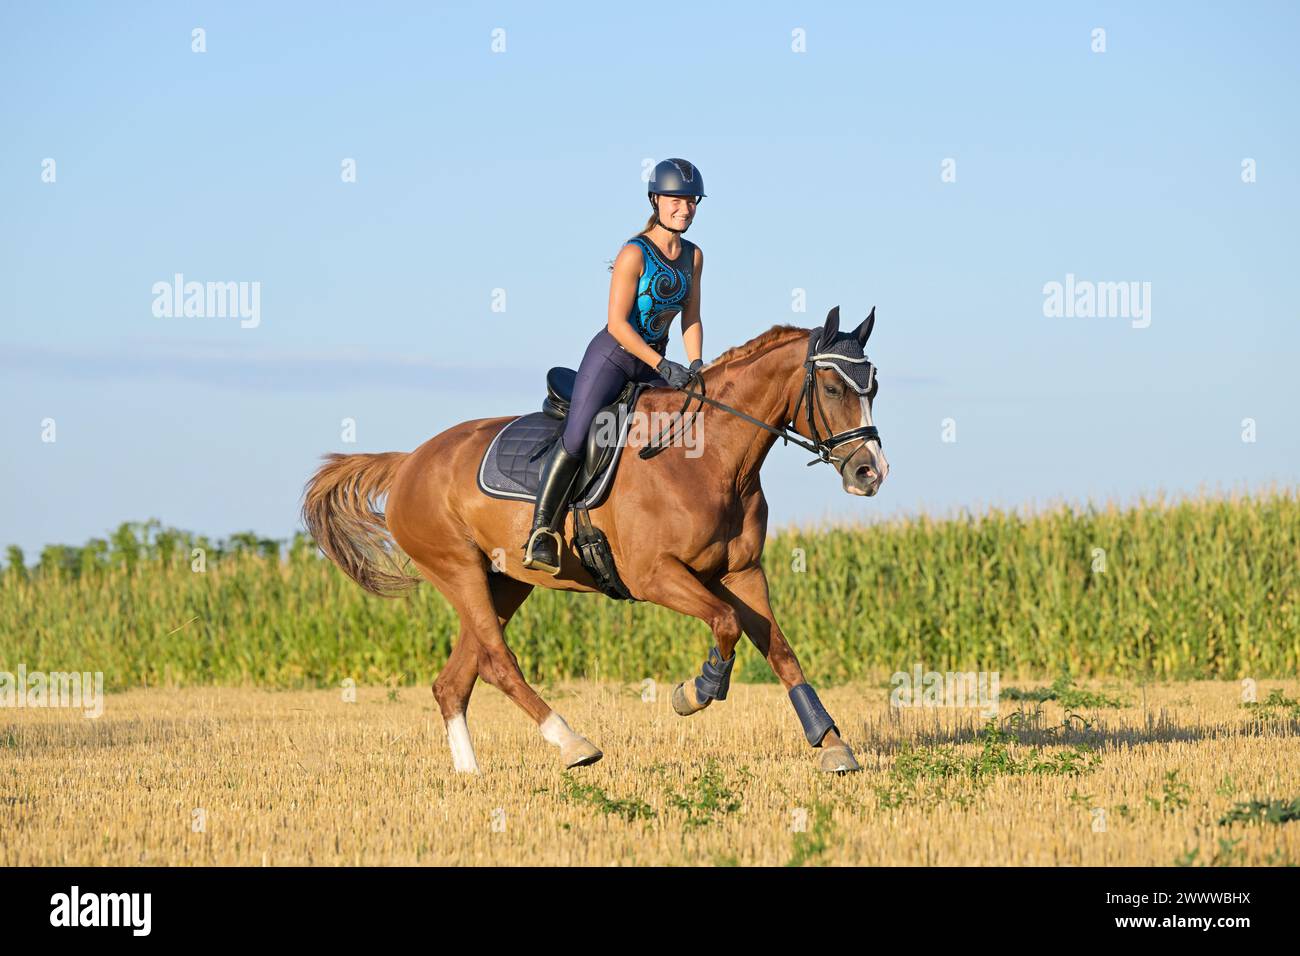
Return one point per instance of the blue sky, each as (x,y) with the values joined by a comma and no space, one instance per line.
(521,170)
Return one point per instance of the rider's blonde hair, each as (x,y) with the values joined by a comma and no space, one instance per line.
(649,224)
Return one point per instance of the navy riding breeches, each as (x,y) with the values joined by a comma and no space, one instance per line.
(606,368)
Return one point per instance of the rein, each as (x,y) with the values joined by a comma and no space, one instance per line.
(821,447)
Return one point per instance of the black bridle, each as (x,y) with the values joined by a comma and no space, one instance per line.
(823,448)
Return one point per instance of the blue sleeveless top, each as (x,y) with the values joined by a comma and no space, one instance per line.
(661,292)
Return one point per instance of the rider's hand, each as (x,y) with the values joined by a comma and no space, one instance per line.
(674,373)
(697,365)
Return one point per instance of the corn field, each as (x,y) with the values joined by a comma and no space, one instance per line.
(1202,589)
(260,707)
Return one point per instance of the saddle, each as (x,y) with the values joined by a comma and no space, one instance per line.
(511,466)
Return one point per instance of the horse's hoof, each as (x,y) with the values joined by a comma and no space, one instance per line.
(684,700)
(580,753)
(839,759)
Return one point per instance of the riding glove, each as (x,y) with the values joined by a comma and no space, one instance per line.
(674,373)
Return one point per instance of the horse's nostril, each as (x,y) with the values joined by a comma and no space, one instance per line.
(865,473)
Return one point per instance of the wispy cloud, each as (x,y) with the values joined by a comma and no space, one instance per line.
(258,368)
(201,362)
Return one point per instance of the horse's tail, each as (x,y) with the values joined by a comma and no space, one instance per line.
(339,511)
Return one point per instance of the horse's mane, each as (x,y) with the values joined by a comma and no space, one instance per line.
(776,335)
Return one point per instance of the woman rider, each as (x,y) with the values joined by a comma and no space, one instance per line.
(656,276)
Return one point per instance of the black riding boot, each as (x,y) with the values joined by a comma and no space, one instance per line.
(542,552)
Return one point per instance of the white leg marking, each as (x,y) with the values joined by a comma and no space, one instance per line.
(557,732)
(462,751)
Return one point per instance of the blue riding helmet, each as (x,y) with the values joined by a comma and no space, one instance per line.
(675,177)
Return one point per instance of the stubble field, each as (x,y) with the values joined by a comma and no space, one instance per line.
(1179,773)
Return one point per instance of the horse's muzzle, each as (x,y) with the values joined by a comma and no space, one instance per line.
(865,470)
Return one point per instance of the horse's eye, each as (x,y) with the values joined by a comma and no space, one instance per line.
(831,390)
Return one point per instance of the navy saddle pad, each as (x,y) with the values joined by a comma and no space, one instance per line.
(512,464)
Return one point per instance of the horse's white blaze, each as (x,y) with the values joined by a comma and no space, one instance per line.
(882,464)
(462,750)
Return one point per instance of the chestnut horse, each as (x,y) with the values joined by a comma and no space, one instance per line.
(686,532)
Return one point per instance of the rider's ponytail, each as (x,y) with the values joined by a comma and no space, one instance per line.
(649,224)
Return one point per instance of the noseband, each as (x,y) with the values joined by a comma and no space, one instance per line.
(808,398)
(821,447)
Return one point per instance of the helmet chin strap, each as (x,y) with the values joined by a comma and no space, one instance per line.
(661,223)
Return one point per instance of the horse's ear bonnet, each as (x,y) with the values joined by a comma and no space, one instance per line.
(828,347)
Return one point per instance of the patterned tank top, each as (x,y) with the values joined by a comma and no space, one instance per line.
(661,292)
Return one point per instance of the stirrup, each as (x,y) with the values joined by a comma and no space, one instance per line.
(536,565)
